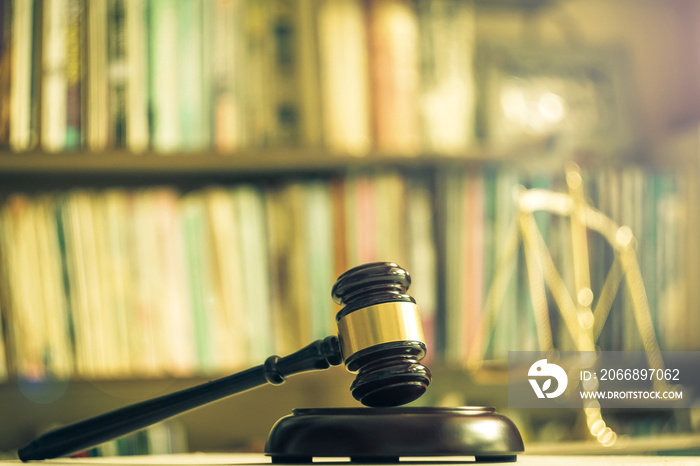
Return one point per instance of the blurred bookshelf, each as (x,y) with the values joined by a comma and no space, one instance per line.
(182,182)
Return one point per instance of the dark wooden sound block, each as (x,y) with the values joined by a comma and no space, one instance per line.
(384,435)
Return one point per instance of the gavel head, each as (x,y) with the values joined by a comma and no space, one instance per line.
(380,334)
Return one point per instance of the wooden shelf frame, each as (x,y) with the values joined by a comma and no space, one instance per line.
(274,160)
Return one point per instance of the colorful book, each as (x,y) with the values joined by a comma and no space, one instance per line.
(258,321)
(422,261)
(75,73)
(228,59)
(447,36)
(449,186)
(136,63)
(259,109)
(188,59)
(24,77)
(394,78)
(6,29)
(214,335)
(54,84)
(472,282)
(391,240)
(344,76)
(319,245)
(307,64)
(285,206)
(117,77)
(225,332)
(97,105)
(285,79)
(164,84)
(175,345)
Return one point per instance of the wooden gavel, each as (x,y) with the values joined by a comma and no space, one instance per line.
(379,336)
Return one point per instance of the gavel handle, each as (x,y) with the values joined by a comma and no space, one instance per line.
(320,354)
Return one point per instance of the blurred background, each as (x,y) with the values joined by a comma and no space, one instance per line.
(181,182)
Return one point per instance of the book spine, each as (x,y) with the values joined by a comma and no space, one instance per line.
(54,82)
(254,265)
(116,72)
(391,218)
(447,35)
(187,59)
(259,65)
(164,84)
(472,267)
(285,72)
(173,315)
(451,201)
(422,257)
(137,130)
(6,29)
(674,331)
(504,334)
(82,273)
(393,52)
(340,225)
(307,62)
(205,340)
(365,218)
(319,247)
(114,233)
(97,105)
(344,76)
(75,57)
(146,322)
(227,59)
(205,91)
(290,309)
(23,78)
(230,337)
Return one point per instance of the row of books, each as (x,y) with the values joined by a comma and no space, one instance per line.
(487,266)
(151,282)
(189,75)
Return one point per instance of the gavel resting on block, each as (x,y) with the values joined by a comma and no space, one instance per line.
(379,336)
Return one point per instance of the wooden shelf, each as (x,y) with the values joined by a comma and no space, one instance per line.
(269,161)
